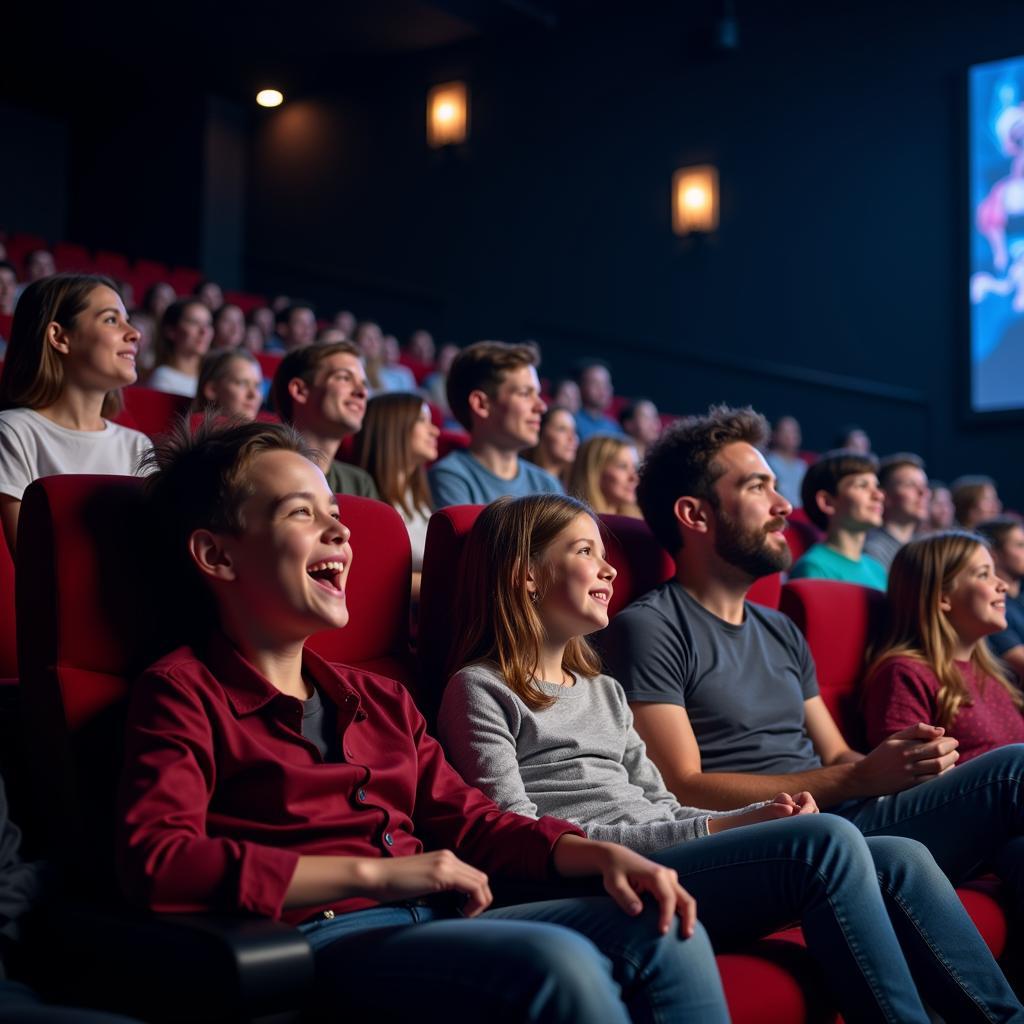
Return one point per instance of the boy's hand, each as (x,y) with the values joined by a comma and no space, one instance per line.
(781,806)
(907,757)
(627,876)
(407,878)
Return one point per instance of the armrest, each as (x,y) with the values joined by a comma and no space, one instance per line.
(172,966)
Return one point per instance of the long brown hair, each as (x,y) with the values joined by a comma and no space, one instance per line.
(497,619)
(921,573)
(33,374)
(585,477)
(382,448)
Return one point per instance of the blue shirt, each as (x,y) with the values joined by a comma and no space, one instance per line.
(1013,635)
(588,424)
(820,562)
(460,479)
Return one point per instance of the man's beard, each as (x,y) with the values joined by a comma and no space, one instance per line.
(748,549)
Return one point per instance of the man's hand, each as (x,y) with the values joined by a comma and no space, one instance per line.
(406,878)
(781,806)
(906,758)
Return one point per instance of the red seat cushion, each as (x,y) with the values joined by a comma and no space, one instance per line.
(151,411)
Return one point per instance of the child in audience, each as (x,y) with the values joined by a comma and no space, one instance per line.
(186,331)
(556,448)
(841,496)
(230,382)
(494,392)
(228,326)
(604,475)
(531,720)
(72,348)
(261,779)
(1006,535)
(397,441)
(975,499)
(934,665)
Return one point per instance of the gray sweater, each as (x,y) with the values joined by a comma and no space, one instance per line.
(579,759)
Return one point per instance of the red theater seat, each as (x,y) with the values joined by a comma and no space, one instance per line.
(450,440)
(83,600)
(801,533)
(8,634)
(113,264)
(19,246)
(73,257)
(269,362)
(245,301)
(839,622)
(151,411)
(184,279)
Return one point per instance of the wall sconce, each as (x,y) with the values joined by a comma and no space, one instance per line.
(447,114)
(269,98)
(695,200)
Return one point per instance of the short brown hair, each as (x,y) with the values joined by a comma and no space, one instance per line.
(482,367)
(303,363)
(888,465)
(966,491)
(497,620)
(33,373)
(199,481)
(682,461)
(825,474)
(996,530)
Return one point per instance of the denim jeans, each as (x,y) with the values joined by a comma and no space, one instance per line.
(567,961)
(20,1005)
(971,818)
(879,916)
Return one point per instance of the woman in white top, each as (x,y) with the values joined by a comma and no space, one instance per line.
(71,350)
(397,441)
(186,331)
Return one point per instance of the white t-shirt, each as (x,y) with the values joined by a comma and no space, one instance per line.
(174,382)
(416,524)
(32,446)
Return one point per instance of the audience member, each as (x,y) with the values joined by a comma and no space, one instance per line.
(394,375)
(210,294)
(941,514)
(421,347)
(933,664)
(396,443)
(8,288)
(253,339)
(385,906)
(905,486)
(39,263)
(841,496)
(345,321)
(640,421)
(724,692)
(329,335)
(72,348)
(854,439)
(1005,534)
(280,302)
(975,499)
(783,456)
(596,394)
(493,391)
(157,298)
(557,444)
(321,391)
(186,331)
(530,720)
(263,318)
(230,382)
(436,384)
(567,395)
(228,326)
(604,475)
(295,325)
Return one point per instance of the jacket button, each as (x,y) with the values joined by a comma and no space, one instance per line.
(361,794)
(388,839)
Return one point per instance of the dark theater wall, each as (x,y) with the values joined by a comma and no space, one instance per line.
(833,288)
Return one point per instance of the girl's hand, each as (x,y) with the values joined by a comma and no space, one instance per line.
(781,806)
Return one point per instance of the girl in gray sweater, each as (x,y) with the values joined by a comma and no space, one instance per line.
(531,720)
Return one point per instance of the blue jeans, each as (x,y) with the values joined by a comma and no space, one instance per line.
(971,818)
(879,916)
(568,961)
(20,1005)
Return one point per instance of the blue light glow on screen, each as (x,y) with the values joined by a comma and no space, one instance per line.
(996,141)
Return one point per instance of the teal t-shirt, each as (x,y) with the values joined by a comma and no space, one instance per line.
(823,563)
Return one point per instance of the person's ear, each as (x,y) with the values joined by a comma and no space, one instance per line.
(208,391)
(692,514)
(479,404)
(826,503)
(57,337)
(210,555)
(299,390)
(945,605)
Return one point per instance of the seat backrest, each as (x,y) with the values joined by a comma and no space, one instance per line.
(90,624)
(839,621)
(801,533)
(151,411)
(8,635)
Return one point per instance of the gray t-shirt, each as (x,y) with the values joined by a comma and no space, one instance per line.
(460,479)
(320,726)
(882,546)
(579,759)
(743,686)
